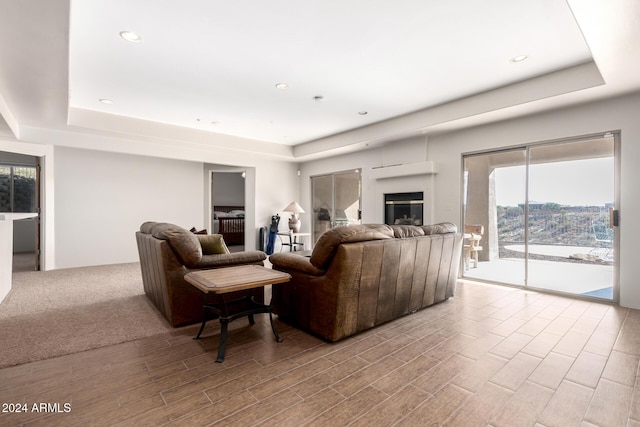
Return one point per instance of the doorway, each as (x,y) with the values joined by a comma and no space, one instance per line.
(20,193)
(228,208)
(544,216)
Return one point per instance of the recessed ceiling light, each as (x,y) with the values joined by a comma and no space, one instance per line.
(363,113)
(519,58)
(130,36)
(212,122)
(282,86)
(106,101)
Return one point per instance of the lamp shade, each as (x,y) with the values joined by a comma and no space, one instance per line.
(293,207)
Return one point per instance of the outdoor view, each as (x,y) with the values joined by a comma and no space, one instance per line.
(560,213)
(17,188)
(583,227)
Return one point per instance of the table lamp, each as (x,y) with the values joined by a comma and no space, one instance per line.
(294,221)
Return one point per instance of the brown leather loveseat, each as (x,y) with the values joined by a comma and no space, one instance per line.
(168,252)
(360,276)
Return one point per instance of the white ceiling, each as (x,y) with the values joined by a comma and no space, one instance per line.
(427,65)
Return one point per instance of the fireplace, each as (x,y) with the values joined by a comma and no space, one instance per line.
(403,208)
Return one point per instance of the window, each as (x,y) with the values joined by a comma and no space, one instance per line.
(18,188)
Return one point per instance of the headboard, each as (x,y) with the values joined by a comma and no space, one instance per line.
(232,227)
(218,208)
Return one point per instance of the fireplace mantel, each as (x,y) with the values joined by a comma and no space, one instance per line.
(408,169)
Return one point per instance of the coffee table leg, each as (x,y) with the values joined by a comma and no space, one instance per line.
(273,328)
(222,346)
(204,320)
(225,318)
(197,337)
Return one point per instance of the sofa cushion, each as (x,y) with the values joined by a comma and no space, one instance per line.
(183,242)
(441,228)
(404,231)
(212,244)
(328,243)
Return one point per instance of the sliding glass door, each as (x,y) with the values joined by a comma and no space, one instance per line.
(548,216)
(336,201)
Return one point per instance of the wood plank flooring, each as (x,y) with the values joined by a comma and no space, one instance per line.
(490,356)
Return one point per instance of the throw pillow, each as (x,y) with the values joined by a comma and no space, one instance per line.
(212,244)
(182,241)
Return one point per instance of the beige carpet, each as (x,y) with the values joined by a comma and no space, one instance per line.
(59,312)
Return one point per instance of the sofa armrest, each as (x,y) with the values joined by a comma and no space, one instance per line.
(290,261)
(234,258)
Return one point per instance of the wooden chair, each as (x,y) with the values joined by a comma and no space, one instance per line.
(472,236)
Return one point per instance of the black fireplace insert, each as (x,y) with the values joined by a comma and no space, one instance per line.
(403,208)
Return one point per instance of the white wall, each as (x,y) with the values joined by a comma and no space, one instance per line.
(276,185)
(102,198)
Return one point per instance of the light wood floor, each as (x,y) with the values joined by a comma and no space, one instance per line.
(490,356)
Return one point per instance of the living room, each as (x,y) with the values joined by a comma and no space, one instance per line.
(100,185)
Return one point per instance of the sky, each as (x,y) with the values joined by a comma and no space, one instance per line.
(576,183)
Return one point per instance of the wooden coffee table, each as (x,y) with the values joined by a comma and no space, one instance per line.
(232,279)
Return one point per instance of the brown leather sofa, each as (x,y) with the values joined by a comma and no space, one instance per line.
(361,276)
(168,252)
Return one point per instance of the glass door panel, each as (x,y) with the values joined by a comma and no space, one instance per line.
(347,198)
(335,201)
(494,198)
(322,195)
(571,192)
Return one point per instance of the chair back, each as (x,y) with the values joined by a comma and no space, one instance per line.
(474,229)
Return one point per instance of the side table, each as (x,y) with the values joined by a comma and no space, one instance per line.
(231,279)
(294,243)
